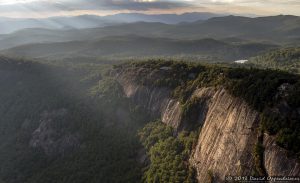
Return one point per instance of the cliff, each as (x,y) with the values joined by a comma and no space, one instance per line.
(229,128)
(227,138)
(156,100)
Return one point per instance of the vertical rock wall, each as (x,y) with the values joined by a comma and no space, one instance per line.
(229,131)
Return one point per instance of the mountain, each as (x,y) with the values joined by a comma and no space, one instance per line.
(135,46)
(28,36)
(53,125)
(9,25)
(145,122)
(163,18)
(283,30)
(274,28)
(237,109)
(280,29)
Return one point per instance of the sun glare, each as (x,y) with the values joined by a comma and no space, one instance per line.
(8,2)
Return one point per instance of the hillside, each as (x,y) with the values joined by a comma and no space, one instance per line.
(89,122)
(135,46)
(53,128)
(287,59)
(244,112)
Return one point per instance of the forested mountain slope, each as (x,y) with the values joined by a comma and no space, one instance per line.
(281,59)
(246,120)
(136,46)
(89,122)
(54,127)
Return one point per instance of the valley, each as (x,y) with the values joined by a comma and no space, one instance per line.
(154,98)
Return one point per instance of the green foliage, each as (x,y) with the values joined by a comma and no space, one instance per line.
(259,88)
(289,139)
(190,112)
(287,59)
(153,132)
(168,154)
(108,143)
(189,140)
(109,155)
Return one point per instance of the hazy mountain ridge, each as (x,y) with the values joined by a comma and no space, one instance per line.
(9,25)
(148,98)
(275,30)
(137,46)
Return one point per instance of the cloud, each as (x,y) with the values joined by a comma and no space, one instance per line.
(239,2)
(133,4)
(72,5)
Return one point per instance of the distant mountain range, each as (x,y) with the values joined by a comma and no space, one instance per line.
(225,38)
(9,25)
(136,46)
(274,29)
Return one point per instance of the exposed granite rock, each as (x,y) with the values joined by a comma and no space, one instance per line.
(156,100)
(277,161)
(227,138)
(52,139)
(229,132)
(172,113)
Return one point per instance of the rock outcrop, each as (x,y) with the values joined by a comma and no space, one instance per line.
(229,129)
(278,162)
(51,138)
(227,138)
(156,100)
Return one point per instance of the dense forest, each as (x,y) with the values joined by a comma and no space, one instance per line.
(132,46)
(105,145)
(70,122)
(287,59)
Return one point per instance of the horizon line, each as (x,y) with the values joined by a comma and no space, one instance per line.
(128,13)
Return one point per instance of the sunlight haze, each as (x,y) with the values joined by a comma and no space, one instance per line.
(48,8)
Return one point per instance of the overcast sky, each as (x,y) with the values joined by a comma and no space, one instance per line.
(46,8)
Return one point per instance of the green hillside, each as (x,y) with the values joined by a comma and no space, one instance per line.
(71,123)
(121,47)
(60,98)
(287,59)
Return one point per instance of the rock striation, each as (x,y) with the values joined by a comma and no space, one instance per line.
(228,134)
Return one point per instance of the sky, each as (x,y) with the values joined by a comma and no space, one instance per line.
(48,8)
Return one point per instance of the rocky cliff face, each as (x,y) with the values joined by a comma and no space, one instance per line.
(228,135)
(277,161)
(226,142)
(156,100)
